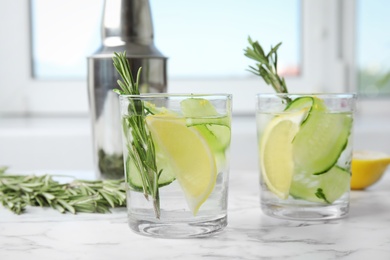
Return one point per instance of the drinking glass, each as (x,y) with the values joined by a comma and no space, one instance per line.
(305,152)
(176,157)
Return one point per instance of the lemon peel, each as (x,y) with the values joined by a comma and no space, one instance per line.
(367,168)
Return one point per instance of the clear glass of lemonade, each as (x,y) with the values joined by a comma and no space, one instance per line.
(305,152)
(176,156)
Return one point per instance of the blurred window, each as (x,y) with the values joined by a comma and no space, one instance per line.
(203,39)
(373,47)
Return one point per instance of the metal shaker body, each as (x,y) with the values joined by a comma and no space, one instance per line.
(126,26)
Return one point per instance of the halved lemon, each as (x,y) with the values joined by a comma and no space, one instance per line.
(191,158)
(276,156)
(368,168)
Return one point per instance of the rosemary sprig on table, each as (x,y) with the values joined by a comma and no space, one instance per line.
(140,145)
(266,65)
(19,191)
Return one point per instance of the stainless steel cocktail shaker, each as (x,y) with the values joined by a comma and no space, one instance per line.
(126,26)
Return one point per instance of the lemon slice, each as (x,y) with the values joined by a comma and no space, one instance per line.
(192,161)
(276,157)
(367,168)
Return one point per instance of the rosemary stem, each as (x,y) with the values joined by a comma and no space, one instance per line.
(156,206)
(139,140)
(266,66)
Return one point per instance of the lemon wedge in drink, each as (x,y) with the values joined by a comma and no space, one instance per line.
(189,155)
(276,151)
(368,168)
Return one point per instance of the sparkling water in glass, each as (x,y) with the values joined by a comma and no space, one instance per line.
(176,154)
(305,152)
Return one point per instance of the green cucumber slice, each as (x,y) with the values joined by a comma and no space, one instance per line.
(321,139)
(323,188)
(317,146)
(200,111)
(217,136)
(301,103)
(133,176)
(214,127)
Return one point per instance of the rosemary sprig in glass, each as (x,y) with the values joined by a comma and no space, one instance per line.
(266,65)
(19,191)
(140,145)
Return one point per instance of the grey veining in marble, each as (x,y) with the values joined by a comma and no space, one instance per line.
(364,234)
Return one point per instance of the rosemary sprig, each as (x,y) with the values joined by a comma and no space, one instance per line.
(19,191)
(140,144)
(266,65)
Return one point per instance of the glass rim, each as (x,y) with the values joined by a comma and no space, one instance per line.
(178,95)
(319,94)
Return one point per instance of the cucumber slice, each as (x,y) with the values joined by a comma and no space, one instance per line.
(321,139)
(323,188)
(133,176)
(299,104)
(217,136)
(317,146)
(199,111)
(214,127)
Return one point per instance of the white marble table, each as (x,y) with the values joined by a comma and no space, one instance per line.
(364,234)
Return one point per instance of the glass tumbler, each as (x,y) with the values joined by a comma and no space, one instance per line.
(176,158)
(305,152)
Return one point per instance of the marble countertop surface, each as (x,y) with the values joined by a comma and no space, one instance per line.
(364,234)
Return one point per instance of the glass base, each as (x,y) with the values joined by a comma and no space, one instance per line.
(305,212)
(178,229)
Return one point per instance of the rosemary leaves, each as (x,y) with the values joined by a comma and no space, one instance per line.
(19,191)
(138,138)
(266,65)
